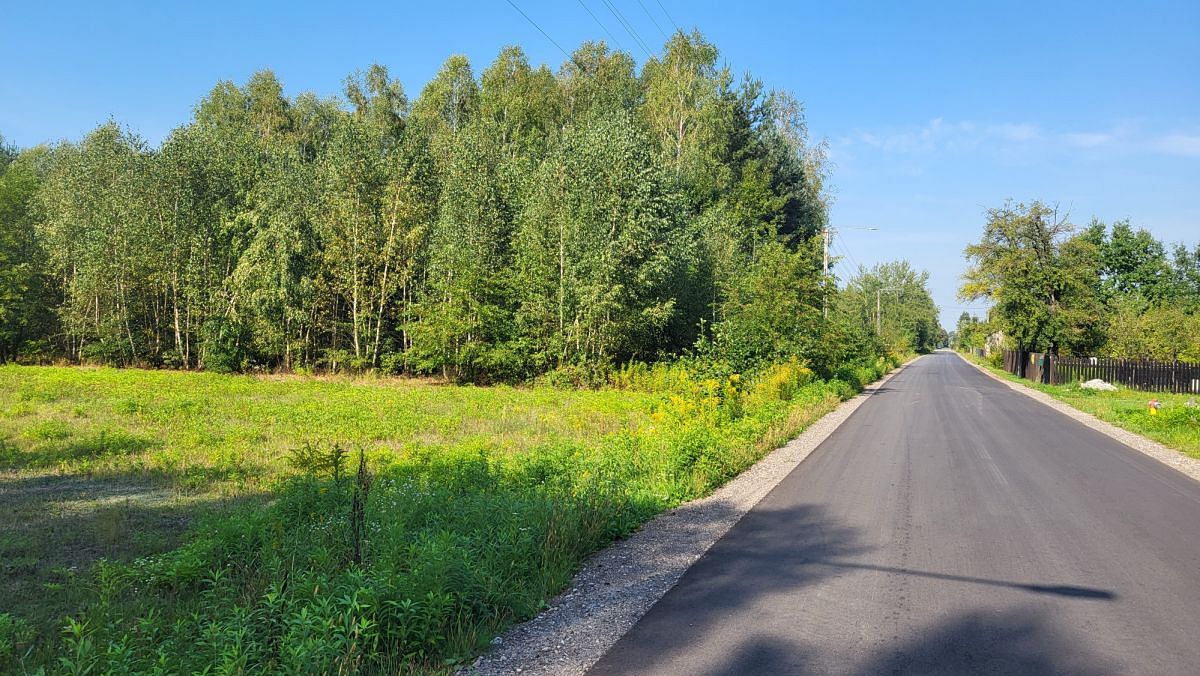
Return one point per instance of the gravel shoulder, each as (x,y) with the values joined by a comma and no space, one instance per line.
(1164,454)
(618,585)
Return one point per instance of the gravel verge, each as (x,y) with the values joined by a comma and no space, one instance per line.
(1164,454)
(619,584)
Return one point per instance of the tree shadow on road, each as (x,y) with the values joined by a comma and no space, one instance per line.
(1018,641)
(751,561)
(777,551)
(1015,641)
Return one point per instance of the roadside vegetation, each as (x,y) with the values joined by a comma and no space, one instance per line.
(271,547)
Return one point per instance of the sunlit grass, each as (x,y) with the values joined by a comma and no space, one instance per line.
(172,518)
(211,432)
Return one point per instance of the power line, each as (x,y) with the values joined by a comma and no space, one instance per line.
(602,26)
(628,28)
(534,23)
(668,15)
(845,252)
(652,19)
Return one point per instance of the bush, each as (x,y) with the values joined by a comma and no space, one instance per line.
(106,351)
(220,346)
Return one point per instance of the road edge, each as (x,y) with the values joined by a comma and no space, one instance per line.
(618,585)
(1189,467)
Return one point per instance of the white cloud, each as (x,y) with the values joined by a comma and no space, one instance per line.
(1088,139)
(939,135)
(1015,132)
(1177,144)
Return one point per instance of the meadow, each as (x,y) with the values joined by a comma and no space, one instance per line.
(169,522)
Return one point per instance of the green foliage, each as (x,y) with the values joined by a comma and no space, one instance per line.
(27,292)
(1138,330)
(16,637)
(595,249)
(1091,293)
(893,299)
(774,311)
(1025,267)
(493,229)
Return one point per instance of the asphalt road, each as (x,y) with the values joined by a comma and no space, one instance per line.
(950,526)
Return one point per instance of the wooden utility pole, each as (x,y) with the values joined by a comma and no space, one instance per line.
(878,314)
(825,270)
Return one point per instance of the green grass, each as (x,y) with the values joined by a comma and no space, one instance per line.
(186,520)
(1176,425)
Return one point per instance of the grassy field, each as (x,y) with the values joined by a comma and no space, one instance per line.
(1176,425)
(155,521)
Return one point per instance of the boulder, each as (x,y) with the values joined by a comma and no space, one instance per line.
(1097,384)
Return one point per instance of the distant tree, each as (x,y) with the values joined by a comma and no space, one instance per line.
(895,298)
(1040,285)
(524,106)
(495,228)
(8,153)
(774,312)
(102,243)
(689,108)
(465,312)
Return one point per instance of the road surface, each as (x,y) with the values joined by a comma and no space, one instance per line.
(951,526)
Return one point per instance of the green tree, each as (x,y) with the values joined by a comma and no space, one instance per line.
(594,250)
(689,108)
(465,316)
(102,244)
(773,312)
(596,82)
(27,294)
(894,299)
(1039,282)
(523,105)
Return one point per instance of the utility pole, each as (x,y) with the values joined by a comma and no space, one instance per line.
(825,259)
(825,270)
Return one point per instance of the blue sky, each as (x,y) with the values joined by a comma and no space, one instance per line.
(933,111)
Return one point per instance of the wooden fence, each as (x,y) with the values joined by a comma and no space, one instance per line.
(1139,374)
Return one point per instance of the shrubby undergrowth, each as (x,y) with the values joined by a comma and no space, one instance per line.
(453,544)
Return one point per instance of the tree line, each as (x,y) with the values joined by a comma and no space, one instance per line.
(494,228)
(1101,290)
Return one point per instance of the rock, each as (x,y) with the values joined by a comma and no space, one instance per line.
(1097,384)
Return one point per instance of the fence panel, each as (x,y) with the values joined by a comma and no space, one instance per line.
(1139,374)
